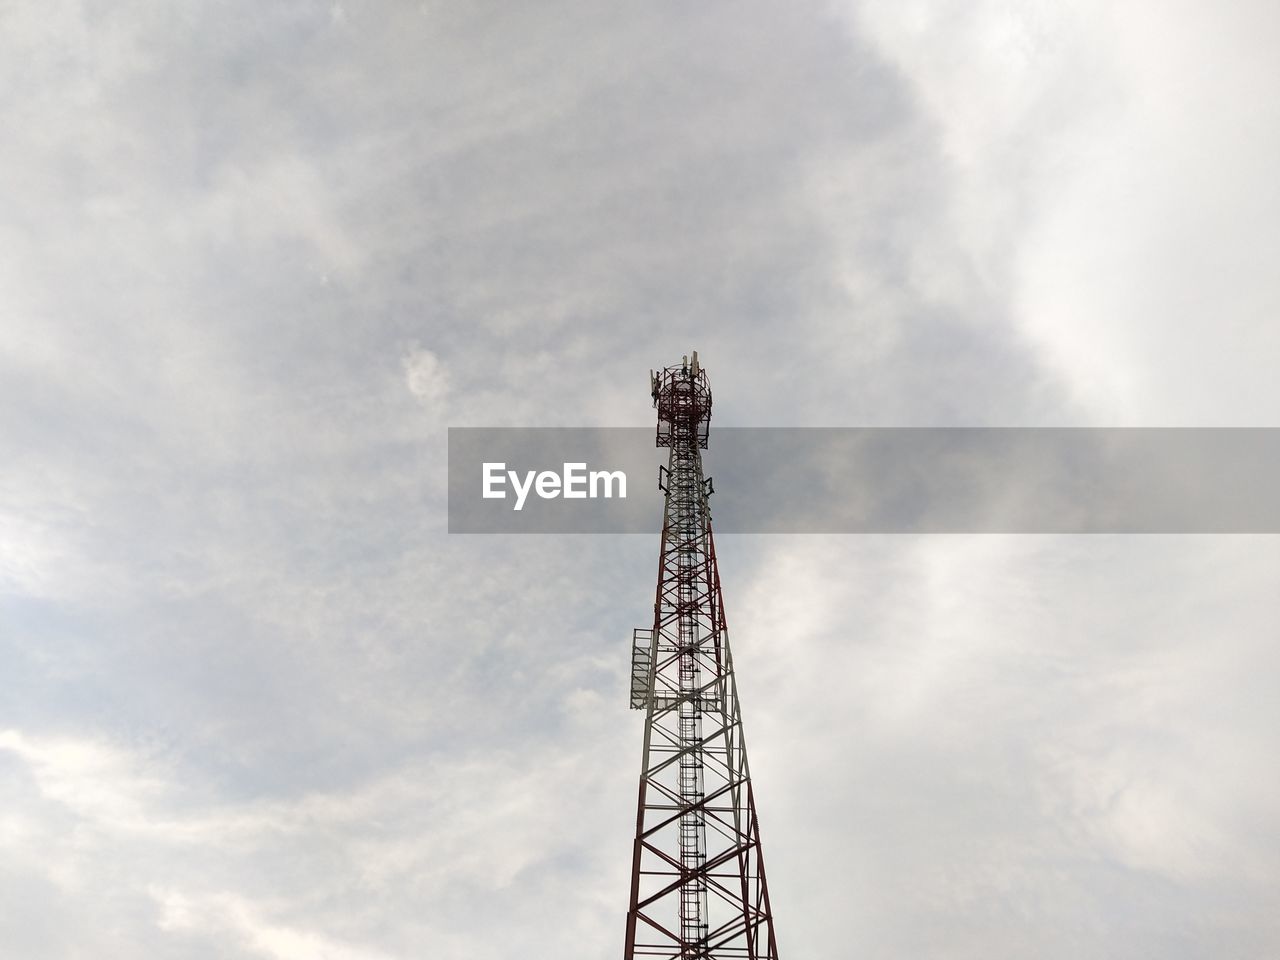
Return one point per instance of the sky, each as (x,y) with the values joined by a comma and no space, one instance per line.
(257,704)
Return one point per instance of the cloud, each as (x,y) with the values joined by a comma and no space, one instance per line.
(1108,169)
(1025,729)
(430,837)
(426,377)
(264,939)
(258,703)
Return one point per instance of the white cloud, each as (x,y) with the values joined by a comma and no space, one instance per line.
(1111,169)
(1020,730)
(227,912)
(258,704)
(426,377)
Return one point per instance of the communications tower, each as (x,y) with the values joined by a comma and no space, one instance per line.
(697,876)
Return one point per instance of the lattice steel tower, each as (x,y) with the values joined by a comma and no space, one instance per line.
(697,877)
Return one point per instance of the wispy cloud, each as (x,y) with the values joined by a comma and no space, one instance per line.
(253,260)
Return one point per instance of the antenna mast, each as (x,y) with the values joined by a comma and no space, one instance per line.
(697,876)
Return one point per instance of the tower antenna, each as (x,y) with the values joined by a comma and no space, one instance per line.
(697,875)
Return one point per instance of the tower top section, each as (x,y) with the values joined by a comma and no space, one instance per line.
(683,398)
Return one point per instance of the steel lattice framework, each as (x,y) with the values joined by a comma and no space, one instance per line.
(697,878)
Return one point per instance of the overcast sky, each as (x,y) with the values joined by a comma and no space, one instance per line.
(256,704)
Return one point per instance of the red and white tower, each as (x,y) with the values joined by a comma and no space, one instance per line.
(697,877)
